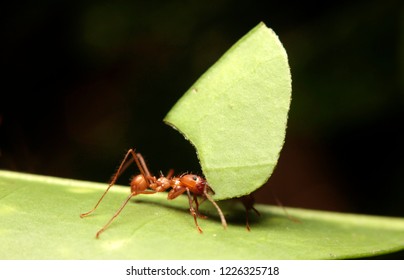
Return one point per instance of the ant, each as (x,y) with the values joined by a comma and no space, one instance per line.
(145,183)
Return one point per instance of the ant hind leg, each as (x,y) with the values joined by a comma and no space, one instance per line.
(120,210)
(121,168)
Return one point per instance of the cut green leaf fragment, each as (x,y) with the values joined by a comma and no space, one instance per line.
(39,219)
(236,113)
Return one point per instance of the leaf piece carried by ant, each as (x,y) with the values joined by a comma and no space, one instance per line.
(236,114)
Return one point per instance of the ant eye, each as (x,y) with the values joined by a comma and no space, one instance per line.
(194,178)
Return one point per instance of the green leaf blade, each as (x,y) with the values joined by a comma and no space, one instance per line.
(236,113)
(39,219)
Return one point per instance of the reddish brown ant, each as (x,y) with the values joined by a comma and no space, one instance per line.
(145,183)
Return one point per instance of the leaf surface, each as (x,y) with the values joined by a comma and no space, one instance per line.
(39,219)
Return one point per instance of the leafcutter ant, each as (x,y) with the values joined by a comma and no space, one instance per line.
(145,183)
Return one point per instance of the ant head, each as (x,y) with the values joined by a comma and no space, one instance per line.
(194,183)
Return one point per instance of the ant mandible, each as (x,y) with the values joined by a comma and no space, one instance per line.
(145,183)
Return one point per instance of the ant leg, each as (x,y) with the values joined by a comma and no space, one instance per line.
(170,174)
(247,223)
(114,178)
(142,166)
(197,207)
(224,223)
(120,210)
(193,212)
(248,202)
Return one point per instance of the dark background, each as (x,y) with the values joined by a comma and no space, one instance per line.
(83,81)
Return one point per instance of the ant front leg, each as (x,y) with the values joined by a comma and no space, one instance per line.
(195,199)
(178,190)
(194,212)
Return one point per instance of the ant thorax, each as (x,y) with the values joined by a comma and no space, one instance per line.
(163,183)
